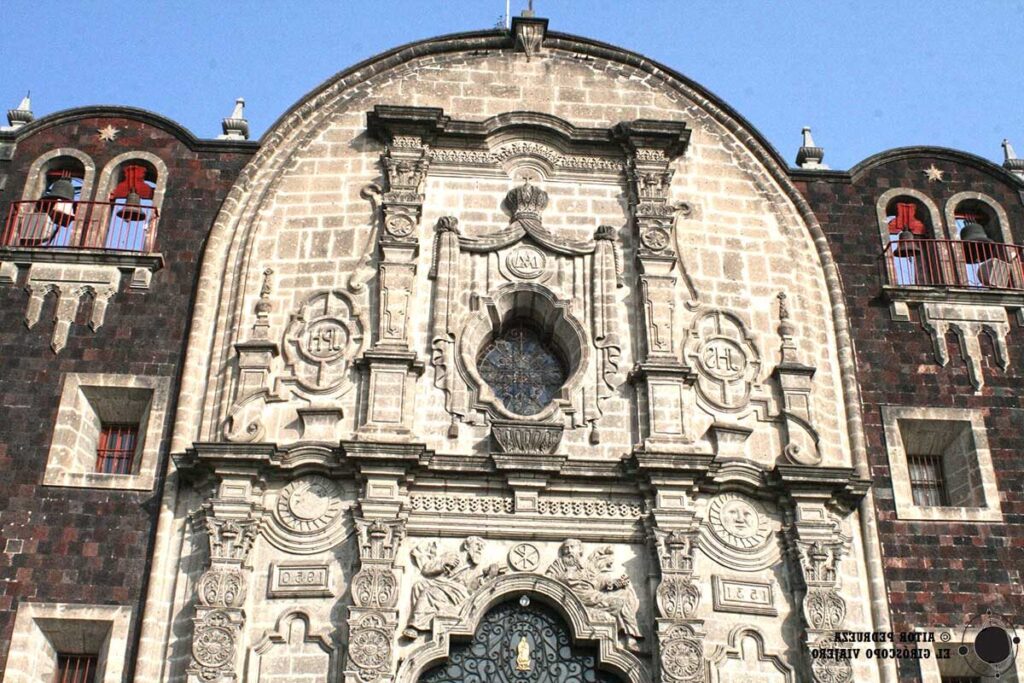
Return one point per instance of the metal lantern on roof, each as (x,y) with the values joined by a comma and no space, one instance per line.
(59,200)
(133,189)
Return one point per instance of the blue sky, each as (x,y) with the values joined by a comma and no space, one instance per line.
(866,75)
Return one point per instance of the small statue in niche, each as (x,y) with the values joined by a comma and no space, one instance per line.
(593,583)
(523,655)
(448,580)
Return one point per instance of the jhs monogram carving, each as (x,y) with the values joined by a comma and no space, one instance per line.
(723,359)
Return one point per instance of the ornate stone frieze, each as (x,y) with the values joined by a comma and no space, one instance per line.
(462,504)
(598,586)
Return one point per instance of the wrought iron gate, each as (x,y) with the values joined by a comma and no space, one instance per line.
(519,643)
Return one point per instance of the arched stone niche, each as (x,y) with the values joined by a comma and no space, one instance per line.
(586,628)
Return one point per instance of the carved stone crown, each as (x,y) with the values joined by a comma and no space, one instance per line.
(526,201)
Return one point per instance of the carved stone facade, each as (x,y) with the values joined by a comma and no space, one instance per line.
(514,351)
(520,377)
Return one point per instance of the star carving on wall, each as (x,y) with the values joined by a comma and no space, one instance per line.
(109,133)
(934,174)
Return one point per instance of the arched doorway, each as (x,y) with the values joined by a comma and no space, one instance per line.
(520,642)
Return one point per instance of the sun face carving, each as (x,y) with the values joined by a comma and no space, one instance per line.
(309,505)
(737,523)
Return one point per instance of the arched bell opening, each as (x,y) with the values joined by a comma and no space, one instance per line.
(521,641)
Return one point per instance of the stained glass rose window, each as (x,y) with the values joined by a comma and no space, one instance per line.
(521,369)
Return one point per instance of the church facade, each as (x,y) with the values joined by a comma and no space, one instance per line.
(507,355)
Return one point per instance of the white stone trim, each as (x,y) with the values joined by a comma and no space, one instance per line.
(108,177)
(34,182)
(934,216)
(989,511)
(71,458)
(86,629)
(997,210)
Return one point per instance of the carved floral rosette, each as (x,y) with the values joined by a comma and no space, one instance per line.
(370,647)
(214,645)
(682,655)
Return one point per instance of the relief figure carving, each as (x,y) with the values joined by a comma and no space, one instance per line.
(592,581)
(448,580)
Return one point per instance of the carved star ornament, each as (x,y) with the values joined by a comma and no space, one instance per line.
(109,133)
(934,174)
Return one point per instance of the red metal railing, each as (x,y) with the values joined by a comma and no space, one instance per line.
(955,263)
(109,226)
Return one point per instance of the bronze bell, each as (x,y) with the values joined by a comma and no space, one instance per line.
(58,202)
(132,209)
(978,246)
(907,244)
(974,232)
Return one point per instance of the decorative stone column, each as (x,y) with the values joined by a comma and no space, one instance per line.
(220,592)
(680,635)
(660,376)
(390,365)
(373,616)
(816,545)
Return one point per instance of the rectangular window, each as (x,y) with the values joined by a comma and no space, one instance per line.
(927,483)
(76,668)
(115,450)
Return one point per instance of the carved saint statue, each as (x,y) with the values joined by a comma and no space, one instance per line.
(593,583)
(447,581)
(523,655)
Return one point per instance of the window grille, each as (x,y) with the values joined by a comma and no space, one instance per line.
(927,482)
(115,452)
(76,668)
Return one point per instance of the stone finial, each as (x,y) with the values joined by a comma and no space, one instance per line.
(786,331)
(236,126)
(261,329)
(16,118)
(809,155)
(1010,161)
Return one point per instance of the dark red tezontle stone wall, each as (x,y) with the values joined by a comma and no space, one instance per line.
(81,545)
(937,573)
